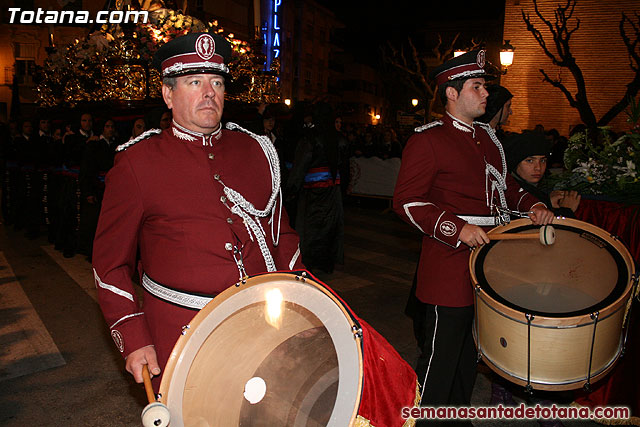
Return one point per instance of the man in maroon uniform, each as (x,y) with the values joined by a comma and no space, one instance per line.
(453,185)
(201,204)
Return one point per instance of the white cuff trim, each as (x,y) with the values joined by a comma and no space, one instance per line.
(406,207)
(108,287)
(294,259)
(123,318)
(519,200)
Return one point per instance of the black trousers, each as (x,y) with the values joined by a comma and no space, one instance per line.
(447,363)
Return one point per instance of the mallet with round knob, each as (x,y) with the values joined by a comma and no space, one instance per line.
(546,235)
(155,414)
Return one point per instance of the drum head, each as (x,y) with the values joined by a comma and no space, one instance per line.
(278,350)
(580,273)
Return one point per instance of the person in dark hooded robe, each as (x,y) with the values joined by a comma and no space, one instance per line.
(498,109)
(315,178)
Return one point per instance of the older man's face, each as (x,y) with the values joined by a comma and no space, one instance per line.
(196,101)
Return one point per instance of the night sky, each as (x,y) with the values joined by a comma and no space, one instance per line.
(369,26)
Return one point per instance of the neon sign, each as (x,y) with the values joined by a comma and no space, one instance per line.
(272,33)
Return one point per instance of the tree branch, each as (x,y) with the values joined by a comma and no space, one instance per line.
(561,35)
(557,83)
(634,62)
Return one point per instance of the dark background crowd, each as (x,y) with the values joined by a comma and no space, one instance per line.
(53,171)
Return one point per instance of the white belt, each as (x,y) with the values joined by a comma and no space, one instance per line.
(481,220)
(184,299)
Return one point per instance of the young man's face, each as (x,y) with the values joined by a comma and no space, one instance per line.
(27,128)
(165,120)
(196,101)
(86,122)
(138,127)
(109,129)
(471,102)
(506,112)
(44,125)
(532,168)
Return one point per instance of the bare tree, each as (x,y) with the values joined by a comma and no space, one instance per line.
(415,66)
(561,30)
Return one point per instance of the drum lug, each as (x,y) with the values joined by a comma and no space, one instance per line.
(302,277)
(529,317)
(357,332)
(528,389)
(185,329)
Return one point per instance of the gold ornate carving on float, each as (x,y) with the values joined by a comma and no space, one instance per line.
(113,63)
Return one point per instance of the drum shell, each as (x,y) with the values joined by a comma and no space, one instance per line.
(559,353)
(560,348)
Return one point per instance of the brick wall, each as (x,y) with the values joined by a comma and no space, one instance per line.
(597,47)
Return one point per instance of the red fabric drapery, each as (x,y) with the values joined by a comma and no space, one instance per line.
(621,386)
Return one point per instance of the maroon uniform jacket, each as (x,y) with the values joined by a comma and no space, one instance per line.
(164,198)
(443,175)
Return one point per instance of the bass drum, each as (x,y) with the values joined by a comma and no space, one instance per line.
(283,350)
(551,317)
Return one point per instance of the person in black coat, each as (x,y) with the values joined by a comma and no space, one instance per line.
(97,159)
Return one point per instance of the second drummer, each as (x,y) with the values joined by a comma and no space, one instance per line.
(452,181)
(200,203)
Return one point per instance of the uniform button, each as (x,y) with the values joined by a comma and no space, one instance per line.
(211,156)
(228,246)
(223,199)
(229,220)
(216,177)
(478,142)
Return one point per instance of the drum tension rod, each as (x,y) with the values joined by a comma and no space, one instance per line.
(594,317)
(627,319)
(475,323)
(529,389)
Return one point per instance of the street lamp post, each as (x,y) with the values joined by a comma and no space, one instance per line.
(506,56)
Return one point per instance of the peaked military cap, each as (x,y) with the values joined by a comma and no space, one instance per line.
(465,66)
(194,53)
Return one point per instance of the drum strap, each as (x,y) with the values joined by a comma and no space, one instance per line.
(180,298)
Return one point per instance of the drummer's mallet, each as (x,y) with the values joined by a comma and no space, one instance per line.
(547,235)
(155,414)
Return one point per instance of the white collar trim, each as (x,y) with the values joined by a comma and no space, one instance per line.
(460,125)
(185,134)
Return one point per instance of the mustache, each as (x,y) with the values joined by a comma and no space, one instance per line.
(207,104)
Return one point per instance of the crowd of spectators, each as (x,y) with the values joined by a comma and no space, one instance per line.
(53,171)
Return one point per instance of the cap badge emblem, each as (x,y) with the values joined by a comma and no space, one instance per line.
(205,46)
(480,59)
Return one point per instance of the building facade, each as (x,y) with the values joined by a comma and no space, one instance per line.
(597,47)
(303,35)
